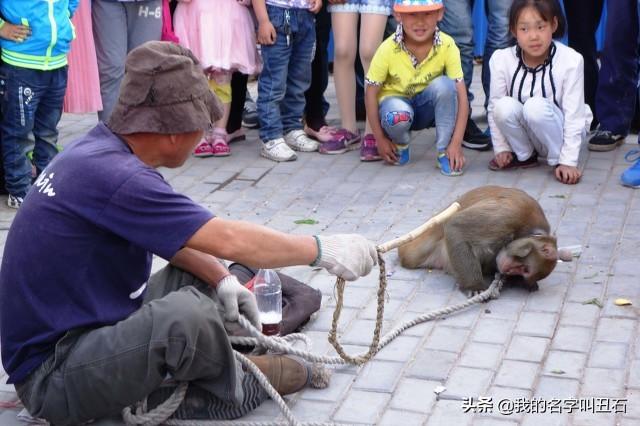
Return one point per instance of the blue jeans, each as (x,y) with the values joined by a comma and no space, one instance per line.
(458,23)
(286,73)
(437,104)
(618,79)
(31,102)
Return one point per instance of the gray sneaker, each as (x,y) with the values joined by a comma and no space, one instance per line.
(298,140)
(277,150)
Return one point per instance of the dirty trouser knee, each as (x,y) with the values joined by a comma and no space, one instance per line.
(96,373)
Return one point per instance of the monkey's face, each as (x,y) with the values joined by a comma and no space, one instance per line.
(533,258)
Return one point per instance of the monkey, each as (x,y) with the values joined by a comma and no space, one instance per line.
(496,229)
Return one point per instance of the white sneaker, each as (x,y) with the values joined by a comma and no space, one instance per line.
(277,150)
(14,202)
(298,140)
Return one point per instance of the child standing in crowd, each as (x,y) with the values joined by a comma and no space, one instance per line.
(537,94)
(344,21)
(35,39)
(286,31)
(415,81)
(221,35)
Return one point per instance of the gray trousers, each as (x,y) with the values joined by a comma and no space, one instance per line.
(119,27)
(178,331)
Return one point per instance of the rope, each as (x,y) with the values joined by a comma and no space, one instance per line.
(284,345)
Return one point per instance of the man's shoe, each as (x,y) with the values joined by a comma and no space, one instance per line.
(250,113)
(277,150)
(474,138)
(299,141)
(369,149)
(631,176)
(604,140)
(515,163)
(14,201)
(287,374)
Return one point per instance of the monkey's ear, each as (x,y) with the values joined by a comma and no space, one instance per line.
(522,250)
(549,251)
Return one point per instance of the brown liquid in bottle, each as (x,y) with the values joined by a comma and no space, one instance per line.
(271,329)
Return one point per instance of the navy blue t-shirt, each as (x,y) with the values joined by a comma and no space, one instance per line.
(78,253)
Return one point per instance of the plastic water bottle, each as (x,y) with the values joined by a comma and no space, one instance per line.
(268,291)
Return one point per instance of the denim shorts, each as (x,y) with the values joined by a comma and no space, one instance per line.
(380,7)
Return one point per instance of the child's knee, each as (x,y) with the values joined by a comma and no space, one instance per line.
(397,121)
(444,88)
(537,109)
(506,110)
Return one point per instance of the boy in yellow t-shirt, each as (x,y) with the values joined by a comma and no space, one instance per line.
(414,82)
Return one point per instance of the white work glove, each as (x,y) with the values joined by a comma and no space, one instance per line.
(237,298)
(348,256)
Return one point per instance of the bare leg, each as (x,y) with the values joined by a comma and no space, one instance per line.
(371,32)
(345,35)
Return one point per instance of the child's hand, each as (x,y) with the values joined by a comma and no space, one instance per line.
(315,6)
(567,174)
(456,157)
(266,33)
(244,2)
(386,149)
(15,33)
(337,1)
(503,158)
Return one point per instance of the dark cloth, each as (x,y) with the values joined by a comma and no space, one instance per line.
(618,81)
(583,18)
(299,300)
(78,253)
(163,91)
(316,107)
(238,97)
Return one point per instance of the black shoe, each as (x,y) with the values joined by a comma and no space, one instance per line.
(250,114)
(474,138)
(604,140)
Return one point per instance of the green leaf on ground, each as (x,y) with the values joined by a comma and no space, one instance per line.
(558,196)
(591,276)
(305,222)
(594,301)
(558,371)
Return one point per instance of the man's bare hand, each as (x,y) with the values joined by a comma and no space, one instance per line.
(16,33)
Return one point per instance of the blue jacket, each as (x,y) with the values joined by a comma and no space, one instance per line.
(51,32)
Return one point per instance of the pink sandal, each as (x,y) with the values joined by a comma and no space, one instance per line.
(204,149)
(219,146)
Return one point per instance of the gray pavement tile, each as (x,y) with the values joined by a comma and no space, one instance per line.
(400,417)
(379,376)
(401,349)
(308,411)
(537,324)
(543,419)
(432,365)
(468,382)
(338,387)
(414,395)
(447,338)
(362,407)
(576,339)
(591,419)
(615,330)
(556,387)
(482,355)
(493,422)
(608,355)
(565,364)
(517,374)
(602,382)
(578,314)
(527,348)
(491,330)
(447,413)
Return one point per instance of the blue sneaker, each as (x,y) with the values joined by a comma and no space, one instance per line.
(442,162)
(402,151)
(631,176)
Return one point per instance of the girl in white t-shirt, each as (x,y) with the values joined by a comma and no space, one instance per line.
(537,105)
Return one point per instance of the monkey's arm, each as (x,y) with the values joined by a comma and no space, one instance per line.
(466,267)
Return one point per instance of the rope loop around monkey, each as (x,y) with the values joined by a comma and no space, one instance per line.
(283,345)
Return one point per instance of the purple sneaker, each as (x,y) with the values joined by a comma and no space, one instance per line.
(342,141)
(368,149)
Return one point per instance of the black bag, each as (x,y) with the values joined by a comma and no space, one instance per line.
(299,300)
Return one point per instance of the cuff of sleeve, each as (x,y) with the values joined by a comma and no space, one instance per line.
(227,279)
(317,259)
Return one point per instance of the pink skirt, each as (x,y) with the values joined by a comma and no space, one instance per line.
(83,83)
(220,33)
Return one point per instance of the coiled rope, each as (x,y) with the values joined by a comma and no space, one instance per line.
(283,345)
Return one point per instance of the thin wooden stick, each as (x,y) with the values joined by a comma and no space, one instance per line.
(437,219)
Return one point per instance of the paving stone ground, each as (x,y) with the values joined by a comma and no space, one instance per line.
(527,351)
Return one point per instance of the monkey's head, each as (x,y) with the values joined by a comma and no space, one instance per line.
(532,258)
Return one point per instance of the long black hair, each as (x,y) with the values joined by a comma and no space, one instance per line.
(548,9)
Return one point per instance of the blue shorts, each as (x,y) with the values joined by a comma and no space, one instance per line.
(380,7)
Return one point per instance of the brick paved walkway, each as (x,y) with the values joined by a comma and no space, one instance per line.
(546,345)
